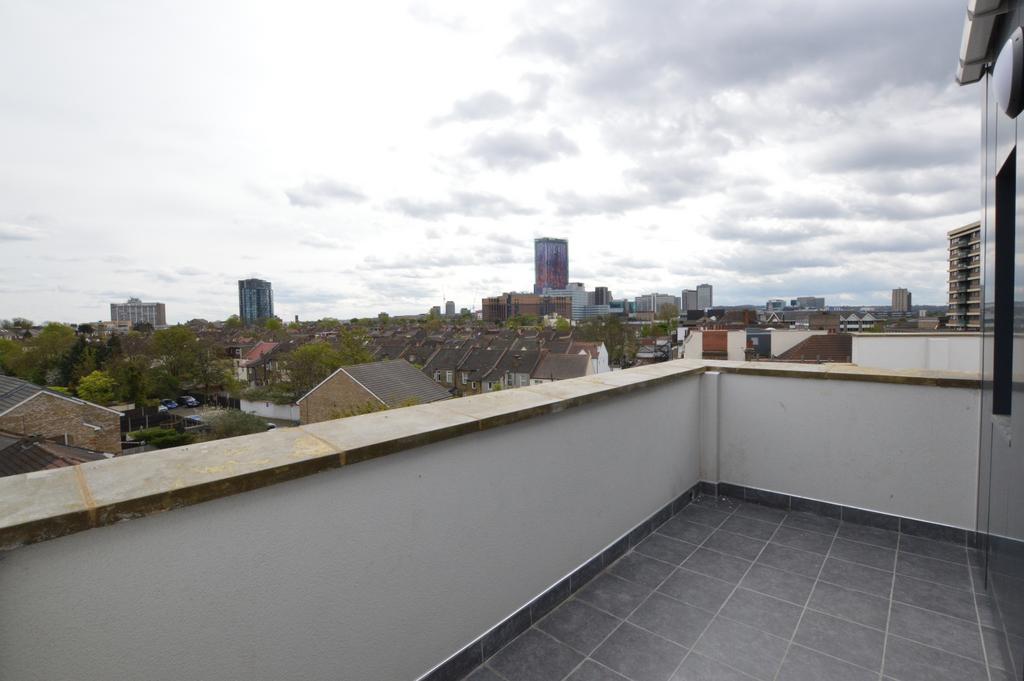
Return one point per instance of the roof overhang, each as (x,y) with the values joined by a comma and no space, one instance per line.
(975,54)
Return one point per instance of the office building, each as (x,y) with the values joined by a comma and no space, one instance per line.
(137,312)
(901,300)
(255,300)
(965,277)
(508,305)
(775,305)
(602,296)
(550,263)
(449,308)
(688,300)
(704,299)
(808,303)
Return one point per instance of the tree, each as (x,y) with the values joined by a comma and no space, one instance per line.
(233,323)
(309,364)
(143,327)
(10,355)
(352,347)
(669,316)
(232,423)
(97,387)
(44,354)
(273,324)
(176,358)
(86,329)
(563,324)
(162,438)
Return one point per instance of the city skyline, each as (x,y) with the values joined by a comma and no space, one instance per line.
(770,177)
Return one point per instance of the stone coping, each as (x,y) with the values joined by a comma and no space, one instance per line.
(51,503)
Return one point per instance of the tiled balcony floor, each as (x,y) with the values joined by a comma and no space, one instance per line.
(732,591)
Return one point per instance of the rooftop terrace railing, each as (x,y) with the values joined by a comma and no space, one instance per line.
(457,516)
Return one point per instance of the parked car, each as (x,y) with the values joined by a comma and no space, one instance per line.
(169,403)
(161,409)
(194,420)
(271,426)
(188,401)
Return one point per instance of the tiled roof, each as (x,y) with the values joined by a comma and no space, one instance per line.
(394,382)
(257,351)
(832,347)
(515,361)
(556,366)
(19,454)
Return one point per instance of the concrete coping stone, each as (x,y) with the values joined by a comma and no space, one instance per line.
(48,504)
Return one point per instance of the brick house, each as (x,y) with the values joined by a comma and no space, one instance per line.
(376,385)
(28,409)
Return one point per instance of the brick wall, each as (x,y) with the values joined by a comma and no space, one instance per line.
(340,393)
(55,417)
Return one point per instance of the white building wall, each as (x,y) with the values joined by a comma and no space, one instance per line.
(900,449)
(269,410)
(371,572)
(940,352)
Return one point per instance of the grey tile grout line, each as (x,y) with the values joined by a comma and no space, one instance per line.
(729,597)
(803,612)
(888,615)
(981,631)
(625,620)
(778,524)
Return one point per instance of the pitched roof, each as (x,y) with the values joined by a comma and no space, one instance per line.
(257,351)
(515,361)
(14,391)
(832,347)
(394,382)
(557,366)
(24,454)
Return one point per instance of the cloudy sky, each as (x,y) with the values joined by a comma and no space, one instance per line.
(379,156)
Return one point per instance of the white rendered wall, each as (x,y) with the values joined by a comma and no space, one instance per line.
(373,572)
(906,450)
(945,352)
(269,410)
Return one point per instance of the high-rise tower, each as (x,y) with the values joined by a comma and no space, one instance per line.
(550,263)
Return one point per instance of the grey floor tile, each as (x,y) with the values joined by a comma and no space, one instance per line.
(764,612)
(639,655)
(613,594)
(534,656)
(860,577)
(697,589)
(723,504)
(483,674)
(715,564)
(856,606)
(592,671)
(851,642)
(804,540)
(1002,675)
(948,601)
(774,582)
(932,570)
(800,562)
(978,578)
(1016,644)
(812,522)
(749,527)
(987,612)
(951,634)
(679,527)
(909,661)
(672,619)
(869,535)
(759,512)
(578,625)
(636,567)
(699,668)
(865,554)
(934,549)
(743,647)
(996,649)
(804,664)
(703,515)
(734,544)
(665,548)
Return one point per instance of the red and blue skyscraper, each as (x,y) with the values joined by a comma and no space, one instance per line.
(550,263)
